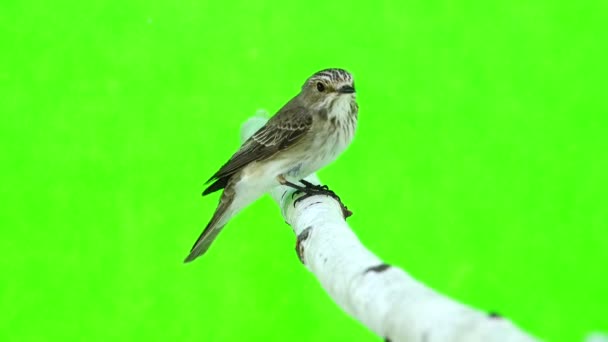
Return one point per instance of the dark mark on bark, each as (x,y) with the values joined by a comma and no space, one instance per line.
(311,204)
(301,238)
(386,339)
(345,212)
(283,195)
(378,268)
(494,314)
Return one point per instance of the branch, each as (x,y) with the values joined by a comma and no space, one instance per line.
(384,298)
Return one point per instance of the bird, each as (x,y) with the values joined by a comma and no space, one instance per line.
(306,134)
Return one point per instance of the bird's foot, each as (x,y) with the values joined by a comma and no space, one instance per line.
(315,187)
(313,190)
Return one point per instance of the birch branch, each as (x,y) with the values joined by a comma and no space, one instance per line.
(383,297)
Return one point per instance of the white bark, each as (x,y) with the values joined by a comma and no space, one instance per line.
(596,337)
(384,298)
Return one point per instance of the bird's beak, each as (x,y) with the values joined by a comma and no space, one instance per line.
(346,89)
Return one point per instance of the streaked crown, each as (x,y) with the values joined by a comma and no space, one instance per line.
(333,75)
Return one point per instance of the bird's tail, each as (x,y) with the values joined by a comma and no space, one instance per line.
(222,214)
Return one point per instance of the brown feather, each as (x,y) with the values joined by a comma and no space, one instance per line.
(280,132)
(215,225)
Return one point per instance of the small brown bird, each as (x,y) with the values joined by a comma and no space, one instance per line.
(308,133)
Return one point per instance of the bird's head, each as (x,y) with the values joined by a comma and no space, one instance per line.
(326,86)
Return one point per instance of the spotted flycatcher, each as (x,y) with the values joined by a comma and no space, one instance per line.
(309,132)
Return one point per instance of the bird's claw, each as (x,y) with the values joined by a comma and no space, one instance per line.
(312,190)
(307,183)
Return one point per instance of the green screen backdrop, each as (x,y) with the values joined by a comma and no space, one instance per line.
(480,163)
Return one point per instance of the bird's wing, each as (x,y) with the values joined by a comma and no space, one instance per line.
(280,132)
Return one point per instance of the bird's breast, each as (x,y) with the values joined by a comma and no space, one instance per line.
(330,135)
(330,139)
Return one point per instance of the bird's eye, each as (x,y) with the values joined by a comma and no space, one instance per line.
(320,87)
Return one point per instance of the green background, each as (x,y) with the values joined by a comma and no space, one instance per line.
(480,163)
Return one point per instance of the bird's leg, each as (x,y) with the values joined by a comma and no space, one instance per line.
(308,184)
(298,188)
